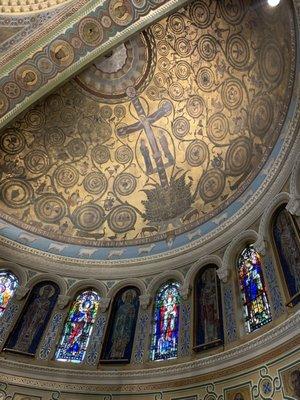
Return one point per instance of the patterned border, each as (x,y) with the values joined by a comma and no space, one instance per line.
(70,50)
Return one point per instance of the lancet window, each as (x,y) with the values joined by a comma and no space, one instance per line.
(8,284)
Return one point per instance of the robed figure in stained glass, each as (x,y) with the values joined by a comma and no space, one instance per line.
(208,310)
(256,306)
(166,320)
(8,284)
(78,327)
(287,241)
(120,335)
(30,327)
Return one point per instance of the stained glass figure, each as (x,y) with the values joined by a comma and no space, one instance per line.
(30,327)
(286,237)
(8,284)
(120,335)
(256,308)
(208,310)
(164,343)
(78,327)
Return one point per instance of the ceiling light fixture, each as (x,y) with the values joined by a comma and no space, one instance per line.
(273,3)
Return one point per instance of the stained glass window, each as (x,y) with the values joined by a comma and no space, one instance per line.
(286,237)
(78,327)
(256,307)
(120,335)
(208,310)
(164,341)
(32,323)
(8,284)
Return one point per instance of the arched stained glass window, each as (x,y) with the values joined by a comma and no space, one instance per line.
(256,307)
(164,343)
(8,284)
(287,241)
(78,327)
(120,335)
(32,323)
(208,309)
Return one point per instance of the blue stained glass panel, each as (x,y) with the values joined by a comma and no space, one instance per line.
(8,284)
(256,307)
(78,327)
(164,343)
(286,237)
(32,323)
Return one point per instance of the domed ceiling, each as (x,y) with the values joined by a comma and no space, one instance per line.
(155,139)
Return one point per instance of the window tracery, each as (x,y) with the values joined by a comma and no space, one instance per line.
(256,308)
(8,284)
(287,242)
(164,342)
(78,327)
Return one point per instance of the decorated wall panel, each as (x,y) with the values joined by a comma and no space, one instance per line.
(157,137)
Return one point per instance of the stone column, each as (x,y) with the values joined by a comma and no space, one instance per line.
(12,313)
(185,334)
(140,352)
(54,329)
(94,349)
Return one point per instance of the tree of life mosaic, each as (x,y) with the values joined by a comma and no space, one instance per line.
(159,135)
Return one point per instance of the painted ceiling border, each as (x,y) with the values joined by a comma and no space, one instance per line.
(24,75)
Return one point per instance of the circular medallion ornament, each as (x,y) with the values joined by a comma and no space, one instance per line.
(36,161)
(90,31)
(183,47)
(12,90)
(120,112)
(207,47)
(106,112)
(35,119)
(121,12)
(66,175)
(163,48)
(139,3)
(232,11)
(266,388)
(195,106)
(217,127)
(205,79)
(12,142)
(196,153)
(180,127)
(232,93)
(45,66)
(76,148)
(95,183)
(125,184)
(238,156)
(61,53)
(237,51)
(200,14)
(16,193)
(85,125)
(100,154)
(104,131)
(158,31)
(163,64)
(211,185)
(176,23)
(68,116)
(50,208)
(4,104)
(132,61)
(271,63)
(54,102)
(124,155)
(176,91)
(122,219)
(261,116)
(55,136)
(28,77)
(88,217)
(182,70)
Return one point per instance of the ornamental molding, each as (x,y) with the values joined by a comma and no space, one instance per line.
(61,51)
(283,334)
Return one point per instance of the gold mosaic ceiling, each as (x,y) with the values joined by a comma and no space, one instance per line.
(159,135)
